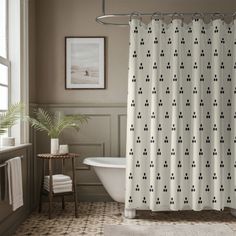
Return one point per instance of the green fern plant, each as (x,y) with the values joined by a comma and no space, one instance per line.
(53,124)
(9,118)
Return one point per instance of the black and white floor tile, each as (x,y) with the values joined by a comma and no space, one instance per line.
(94,215)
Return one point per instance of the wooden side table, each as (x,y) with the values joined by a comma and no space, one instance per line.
(50,158)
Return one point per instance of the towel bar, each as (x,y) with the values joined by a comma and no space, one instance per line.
(5,163)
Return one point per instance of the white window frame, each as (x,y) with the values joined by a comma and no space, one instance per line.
(19,66)
(5,60)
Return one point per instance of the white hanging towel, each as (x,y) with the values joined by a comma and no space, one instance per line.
(14,173)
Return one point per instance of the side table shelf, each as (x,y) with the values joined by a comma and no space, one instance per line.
(49,158)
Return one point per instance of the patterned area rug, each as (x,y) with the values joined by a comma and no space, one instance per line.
(168,230)
(94,215)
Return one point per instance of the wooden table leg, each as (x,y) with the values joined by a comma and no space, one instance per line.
(50,187)
(74,187)
(41,189)
(62,197)
(63,202)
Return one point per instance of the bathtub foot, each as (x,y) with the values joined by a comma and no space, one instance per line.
(233,212)
(130,213)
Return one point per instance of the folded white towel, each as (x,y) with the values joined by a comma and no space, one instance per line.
(58,183)
(14,173)
(58,178)
(57,187)
(60,190)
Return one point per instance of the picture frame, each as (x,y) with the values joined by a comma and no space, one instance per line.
(85,63)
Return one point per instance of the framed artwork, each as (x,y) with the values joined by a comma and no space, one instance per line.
(85,62)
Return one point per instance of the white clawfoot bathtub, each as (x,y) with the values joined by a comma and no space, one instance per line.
(111,172)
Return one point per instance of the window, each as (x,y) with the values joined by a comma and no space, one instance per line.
(4,61)
(14,61)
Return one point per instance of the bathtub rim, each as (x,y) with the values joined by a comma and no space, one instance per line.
(99,162)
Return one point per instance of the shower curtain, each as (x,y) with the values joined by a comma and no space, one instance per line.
(181,125)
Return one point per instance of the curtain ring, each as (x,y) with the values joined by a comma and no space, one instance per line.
(162,16)
(233,15)
(182,17)
(175,14)
(153,17)
(197,15)
(221,16)
(135,14)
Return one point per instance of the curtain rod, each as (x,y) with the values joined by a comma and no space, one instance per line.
(100,19)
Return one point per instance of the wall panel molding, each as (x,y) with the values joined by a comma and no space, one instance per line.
(100,145)
(103,135)
(80,105)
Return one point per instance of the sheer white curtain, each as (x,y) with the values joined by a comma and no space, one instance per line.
(181,133)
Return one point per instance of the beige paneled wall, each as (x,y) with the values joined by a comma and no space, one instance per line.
(103,135)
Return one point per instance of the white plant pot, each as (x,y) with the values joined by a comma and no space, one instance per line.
(54,145)
(8,141)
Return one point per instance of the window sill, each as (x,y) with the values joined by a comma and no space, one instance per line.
(13,148)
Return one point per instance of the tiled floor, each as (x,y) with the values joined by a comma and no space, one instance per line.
(93,217)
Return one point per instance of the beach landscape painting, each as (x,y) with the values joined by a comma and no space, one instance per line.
(85,62)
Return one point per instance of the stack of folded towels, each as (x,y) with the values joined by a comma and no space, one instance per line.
(60,183)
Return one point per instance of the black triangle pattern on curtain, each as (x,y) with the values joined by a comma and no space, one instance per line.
(181,133)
